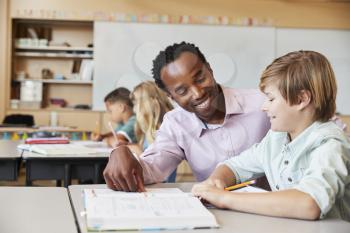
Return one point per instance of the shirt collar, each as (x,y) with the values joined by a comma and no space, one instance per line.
(299,141)
(232,106)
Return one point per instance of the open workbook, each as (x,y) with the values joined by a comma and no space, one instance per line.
(156,209)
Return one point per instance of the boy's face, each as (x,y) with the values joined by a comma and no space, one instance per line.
(191,84)
(115,110)
(283,117)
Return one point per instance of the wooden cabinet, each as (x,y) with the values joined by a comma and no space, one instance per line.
(51,70)
(51,54)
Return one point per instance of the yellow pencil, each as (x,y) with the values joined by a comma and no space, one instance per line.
(113,132)
(237,186)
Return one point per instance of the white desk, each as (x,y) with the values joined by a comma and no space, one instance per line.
(65,167)
(230,221)
(9,160)
(35,210)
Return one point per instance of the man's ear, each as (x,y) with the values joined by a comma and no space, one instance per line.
(168,93)
(209,68)
(304,99)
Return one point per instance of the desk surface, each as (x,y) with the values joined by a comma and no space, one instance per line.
(33,155)
(230,221)
(102,151)
(35,209)
(8,149)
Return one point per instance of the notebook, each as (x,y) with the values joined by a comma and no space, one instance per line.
(158,209)
(250,189)
(55,140)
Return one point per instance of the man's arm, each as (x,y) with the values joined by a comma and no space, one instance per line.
(123,171)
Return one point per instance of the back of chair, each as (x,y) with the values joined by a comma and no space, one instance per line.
(18,120)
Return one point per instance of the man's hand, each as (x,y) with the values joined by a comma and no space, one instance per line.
(123,172)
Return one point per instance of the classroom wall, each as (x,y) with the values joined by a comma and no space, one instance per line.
(284,13)
(333,14)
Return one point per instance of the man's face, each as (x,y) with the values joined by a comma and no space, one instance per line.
(191,84)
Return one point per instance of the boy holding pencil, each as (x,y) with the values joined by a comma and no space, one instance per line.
(120,108)
(304,156)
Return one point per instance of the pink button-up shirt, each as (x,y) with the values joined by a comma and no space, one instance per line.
(183,135)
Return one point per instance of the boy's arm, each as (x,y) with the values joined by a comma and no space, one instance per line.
(221,177)
(289,203)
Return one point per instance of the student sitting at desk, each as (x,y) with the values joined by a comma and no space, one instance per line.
(304,156)
(150,106)
(120,107)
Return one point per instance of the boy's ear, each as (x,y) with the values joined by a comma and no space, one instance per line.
(304,99)
(122,107)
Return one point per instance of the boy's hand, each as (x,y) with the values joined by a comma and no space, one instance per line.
(121,143)
(96,137)
(215,182)
(123,172)
(210,193)
(211,182)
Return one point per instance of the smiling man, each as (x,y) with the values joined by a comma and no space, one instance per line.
(211,124)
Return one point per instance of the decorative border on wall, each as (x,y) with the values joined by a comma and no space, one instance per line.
(144,18)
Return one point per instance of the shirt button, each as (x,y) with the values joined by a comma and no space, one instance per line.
(286,162)
(277,187)
(290,179)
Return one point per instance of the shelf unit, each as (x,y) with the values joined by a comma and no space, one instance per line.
(68,45)
(54,52)
(54,81)
(55,48)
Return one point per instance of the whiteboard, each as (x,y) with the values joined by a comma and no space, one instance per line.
(124,52)
(334,44)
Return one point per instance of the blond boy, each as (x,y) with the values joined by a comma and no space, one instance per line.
(304,156)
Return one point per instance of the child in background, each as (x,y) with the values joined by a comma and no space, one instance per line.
(150,106)
(120,108)
(304,156)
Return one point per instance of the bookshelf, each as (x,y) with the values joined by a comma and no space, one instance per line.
(53,81)
(50,54)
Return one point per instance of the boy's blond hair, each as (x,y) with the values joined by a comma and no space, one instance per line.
(304,71)
(150,106)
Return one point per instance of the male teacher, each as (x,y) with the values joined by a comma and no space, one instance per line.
(211,124)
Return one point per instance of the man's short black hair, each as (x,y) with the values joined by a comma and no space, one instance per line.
(170,54)
(120,94)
